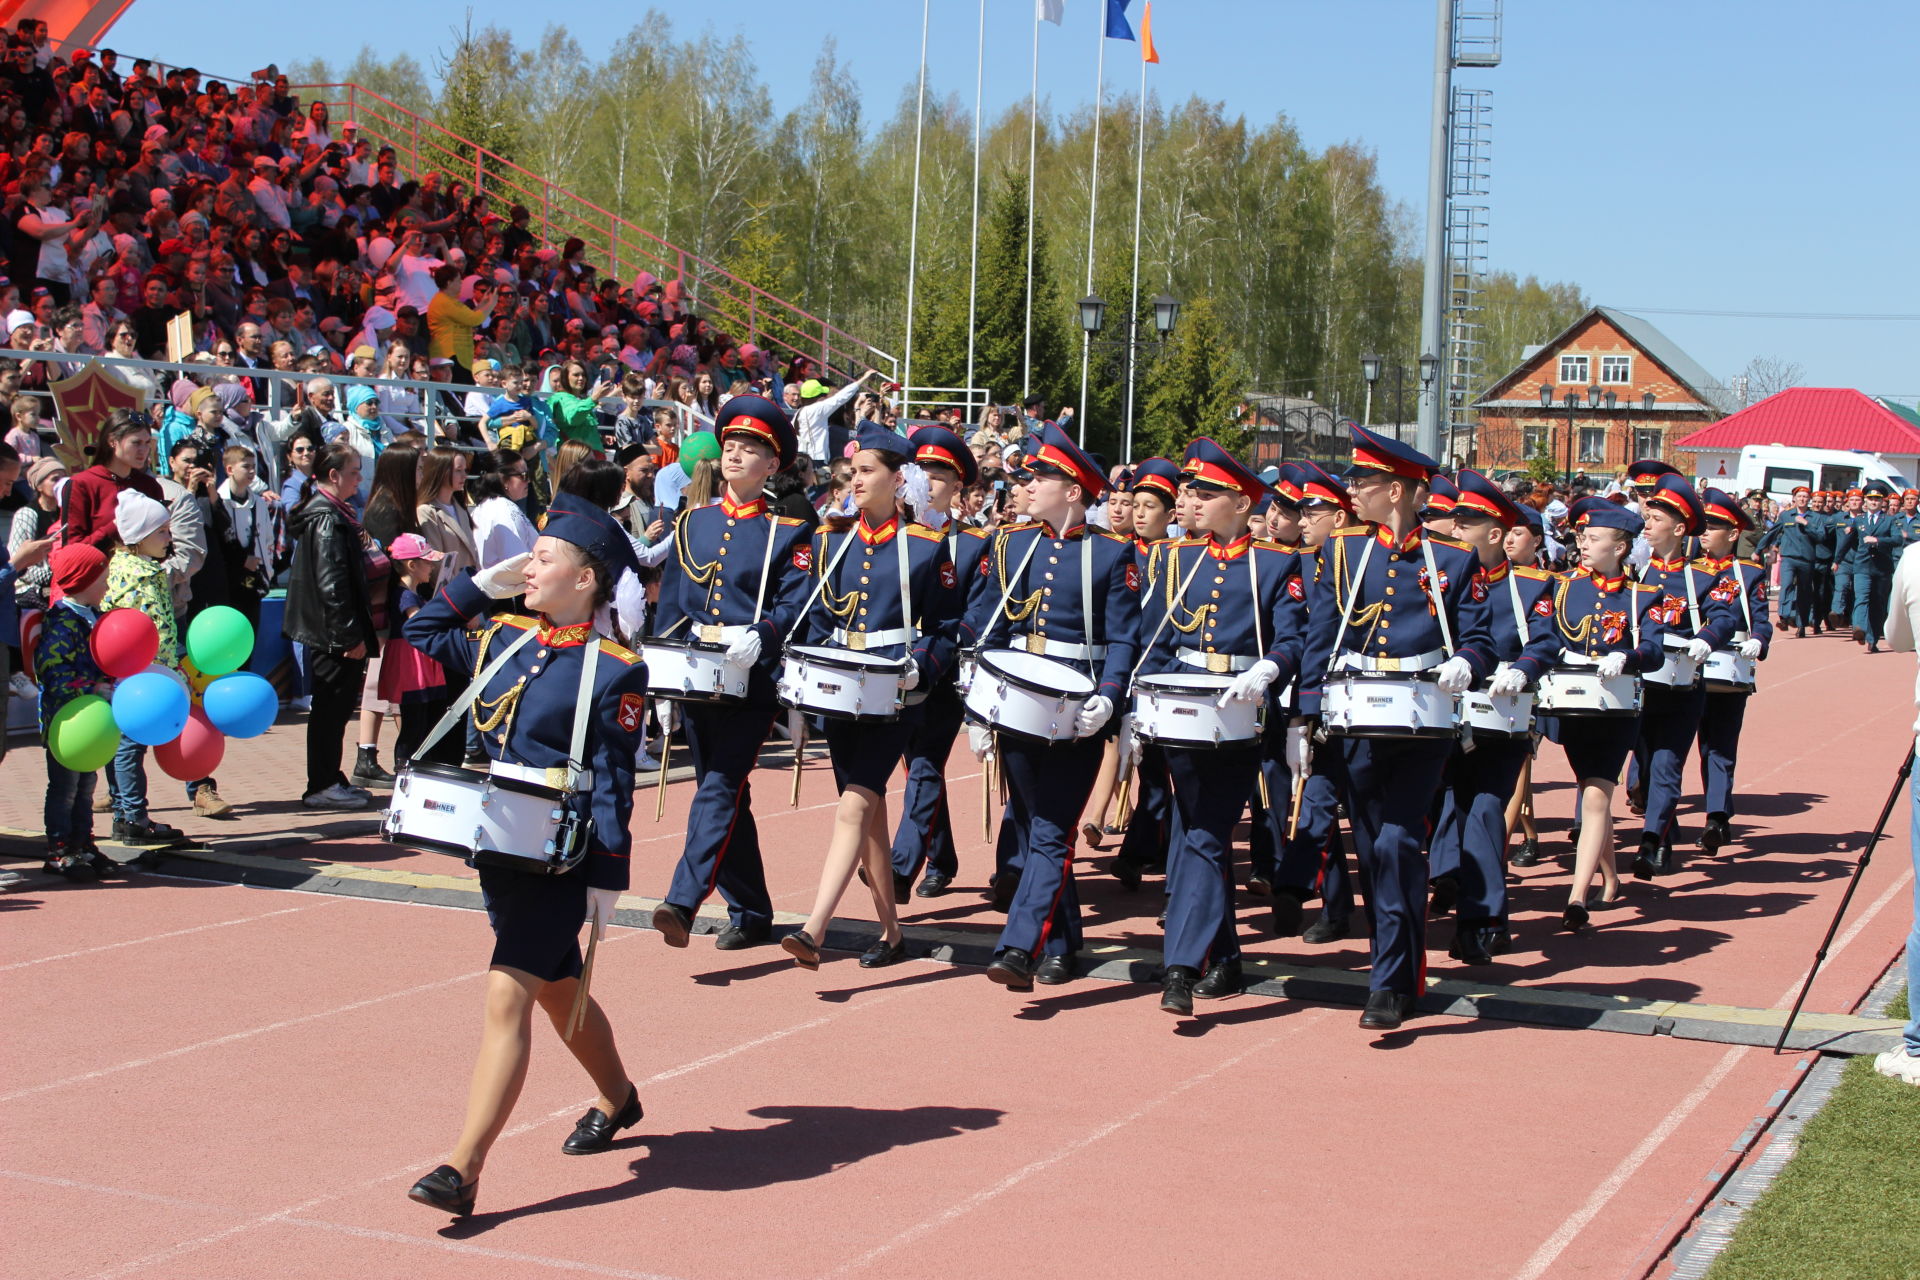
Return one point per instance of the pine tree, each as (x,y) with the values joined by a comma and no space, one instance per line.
(1195,389)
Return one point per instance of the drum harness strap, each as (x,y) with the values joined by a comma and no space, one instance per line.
(1581,659)
(710,572)
(1693,607)
(576,750)
(1146,649)
(1353,591)
(863,639)
(1235,662)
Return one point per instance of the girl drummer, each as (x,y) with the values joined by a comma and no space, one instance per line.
(861,603)
(1595,608)
(526,718)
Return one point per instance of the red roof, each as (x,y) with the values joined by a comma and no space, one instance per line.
(1810,418)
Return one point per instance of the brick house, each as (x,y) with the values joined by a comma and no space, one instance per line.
(1637,394)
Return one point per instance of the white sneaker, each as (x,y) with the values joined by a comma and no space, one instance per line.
(335,797)
(645,762)
(23,687)
(1900,1063)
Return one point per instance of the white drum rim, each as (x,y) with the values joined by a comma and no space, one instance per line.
(985,662)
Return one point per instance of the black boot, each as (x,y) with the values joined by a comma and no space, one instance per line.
(1223,979)
(1527,855)
(1643,864)
(367,771)
(1718,835)
(1176,995)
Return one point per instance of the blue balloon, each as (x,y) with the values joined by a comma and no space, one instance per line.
(151,708)
(241,705)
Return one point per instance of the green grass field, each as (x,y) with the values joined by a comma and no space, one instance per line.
(1848,1203)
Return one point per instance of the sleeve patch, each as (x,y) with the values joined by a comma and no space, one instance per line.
(1544,606)
(1295,591)
(633,712)
(1133,577)
(1478,588)
(803,558)
(986,565)
(947,575)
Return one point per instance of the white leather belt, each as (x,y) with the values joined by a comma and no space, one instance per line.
(1218,663)
(1060,648)
(858,640)
(582,781)
(1350,661)
(714,633)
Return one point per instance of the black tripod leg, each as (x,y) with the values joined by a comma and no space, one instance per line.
(1866,856)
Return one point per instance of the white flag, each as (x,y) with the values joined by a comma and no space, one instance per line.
(1049,11)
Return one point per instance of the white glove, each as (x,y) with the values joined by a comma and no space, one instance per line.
(744,651)
(1698,650)
(1300,749)
(910,678)
(1128,748)
(1750,648)
(1251,685)
(505,580)
(1096,712)
(1612,664)
(1455,675)
(600,907)
(980,741)
(1508,682)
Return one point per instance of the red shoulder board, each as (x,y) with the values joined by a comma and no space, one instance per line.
(1295,591)
(947,578)
(1133,577)
(803,557)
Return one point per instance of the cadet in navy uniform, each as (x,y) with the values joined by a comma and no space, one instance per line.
(525,716)
(1601,618)
(1866,549)
(1745,582)
(1849,510)
(1225,604)
(1471,837)
(1409,606)
(1276,519)
(1314,860)
(725,584)
(1156,488)
(924,837)
(1525,542)
(1036,582)
(1437,515)
(883,587)
(1694,623)
(1795,535)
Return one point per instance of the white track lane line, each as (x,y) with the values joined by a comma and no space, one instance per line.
(157,937)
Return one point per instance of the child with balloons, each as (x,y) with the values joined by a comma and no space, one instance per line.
(70,707)
(137,579)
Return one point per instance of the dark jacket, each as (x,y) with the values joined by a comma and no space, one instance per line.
(329,606)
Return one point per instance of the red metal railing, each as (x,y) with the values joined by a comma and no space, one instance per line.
(621,247)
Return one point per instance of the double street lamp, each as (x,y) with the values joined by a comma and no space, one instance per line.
(1596,399)
(1093,313)
(1370,368)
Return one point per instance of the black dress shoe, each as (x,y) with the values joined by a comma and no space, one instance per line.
(1288,913)
(1800,633)
(1260,886)
(1127,872)
(1574,918)
(881,954)
(1325,930)
(1013,969)
(1446,892)
(1527,855)
(443,1189)
(1222,979)
(902,889)
(1637,799)
(933,884)
(1176,991)
(1644,865)
(738,937)
(674,922)
(1092,834)
(1005,885)
(800,945)
(1386,1010)
(1054,970)
(1469,945)
(1718,835)
(593,1132)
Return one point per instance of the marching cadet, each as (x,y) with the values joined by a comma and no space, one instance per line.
(1865,551)
(1393,598)
(1694,623)
(1470,839)
(1313,857)
(1437,514)
(1850,511)
(1267,822)
(1230,606)
(1744,581)
(1642,476)
(1008,853)
(1038,581)
(1602,619)
(925,835)
(1526,544)
(1156,490)
(1824,533)
(1794,534)
(738,577)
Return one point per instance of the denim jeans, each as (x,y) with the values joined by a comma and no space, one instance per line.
(127,783)
(69,810)
(1913,937)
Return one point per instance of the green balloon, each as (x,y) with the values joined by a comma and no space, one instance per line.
(82,734)
(697,448)
(219,640)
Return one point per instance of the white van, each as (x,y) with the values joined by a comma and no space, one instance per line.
(1780,470)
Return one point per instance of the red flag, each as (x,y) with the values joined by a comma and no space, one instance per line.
(1147,52)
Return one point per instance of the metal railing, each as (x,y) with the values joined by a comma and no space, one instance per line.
(741,308)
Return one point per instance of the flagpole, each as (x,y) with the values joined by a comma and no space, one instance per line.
(913,232)
(973,263)
(1033,143)
(1133,299)
(1093,204)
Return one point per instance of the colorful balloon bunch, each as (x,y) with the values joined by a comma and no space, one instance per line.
(186,716)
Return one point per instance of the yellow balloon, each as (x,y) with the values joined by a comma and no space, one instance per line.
(197,680)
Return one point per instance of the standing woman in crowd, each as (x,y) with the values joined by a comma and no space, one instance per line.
(330,610)
(501,529)
(392,509)
(442,511)
(575,403)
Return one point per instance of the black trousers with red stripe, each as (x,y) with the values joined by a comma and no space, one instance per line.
(1391,785)
(1210,789)
(723,844)
(1050,785)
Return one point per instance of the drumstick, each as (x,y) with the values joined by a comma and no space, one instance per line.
(1120,814)
(1293,818)
(660,783)
(799,741)
(986,798)
(579,1012)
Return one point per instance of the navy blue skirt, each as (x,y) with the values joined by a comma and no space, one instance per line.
(536,920)
(1596,746)
(865,752)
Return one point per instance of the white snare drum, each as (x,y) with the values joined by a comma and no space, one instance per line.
(1027,695)
(1182,709)
(841,684)
(1506,715)
(692,671)
(485,819)
(1387,704)
(1580,691)
(1728,672)
(963,668)
(1678,671)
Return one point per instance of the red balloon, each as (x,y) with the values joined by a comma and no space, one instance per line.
(125,643)
(196,753)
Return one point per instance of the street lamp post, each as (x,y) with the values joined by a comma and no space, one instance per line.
(1093,310)
(1429,370)
(1370,370)
(1572,400)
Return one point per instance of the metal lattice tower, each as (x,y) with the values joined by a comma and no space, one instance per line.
(1476,43)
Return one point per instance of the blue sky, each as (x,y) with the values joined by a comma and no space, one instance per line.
(1699,155)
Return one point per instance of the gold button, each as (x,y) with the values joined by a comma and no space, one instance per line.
(1053,559)
(1209,647)
(1218,580)
(716,612)
(534,670)
(1057,544)
(1043,608)
(726,537)
(866,564)
(1216,595)
(541,654)
(863,613)
(729,524)
(1049,577)
(1389,590)
(863,580)
(1384,624)
(723,551)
